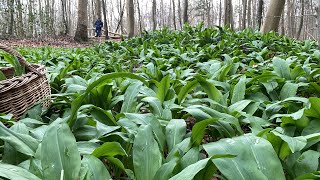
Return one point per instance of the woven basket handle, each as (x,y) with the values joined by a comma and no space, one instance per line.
(21,59)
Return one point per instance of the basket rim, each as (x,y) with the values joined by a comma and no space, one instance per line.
(18,81)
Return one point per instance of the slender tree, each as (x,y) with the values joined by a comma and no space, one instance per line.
(174,14)
(98,8)
(259,13)
(301,20)
(228,11)
(185,12)
(130,16)
(318,19)
(82,25)
(154,14)
(106,29)
(244,13)
(273,16)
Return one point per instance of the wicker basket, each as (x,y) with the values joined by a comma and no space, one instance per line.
(19,93)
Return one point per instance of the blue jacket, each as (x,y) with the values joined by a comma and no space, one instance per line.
(98,24)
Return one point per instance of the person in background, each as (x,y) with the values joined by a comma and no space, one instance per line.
(98,24)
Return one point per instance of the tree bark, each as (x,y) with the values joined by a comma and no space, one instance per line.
(179,13)
(174,15)
(244,13)
(106,29)
(139,14)
(273,16)
(64,16)
(228,11)
(20,29)
(259,13)
(249,13)
(220,13)
(318,19)
(154,14)
(130,16)
(82,26)
(185,12)
(11,15)
(98,8)
(301,20)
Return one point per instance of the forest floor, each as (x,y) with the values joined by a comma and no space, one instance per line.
(56,42)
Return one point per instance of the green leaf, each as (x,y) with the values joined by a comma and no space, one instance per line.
(95,168)
(314,109)
(288,90)
(14,172)
(156,105)
(239,90)
(75,105)
(281,67)
(59,153)
(163,88)
(308,162)
(20,142)
(198,130)
(193,169)
(2,76)
(109,149)
(165,171)
(175,132)
(255,158)
(210,89)
(186,89)
(147,158)
(130,98)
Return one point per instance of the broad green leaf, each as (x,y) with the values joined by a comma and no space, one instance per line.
(189,172)
(175,132)
(255,158)
(86,147)
(147,158)
(109,149)
(239,106)
(165,171)
(198,130)
(163,88)
(78,102)
(281,67)
(295,143)
(130,98)
(156,105)
(308,162)
(239,90)
(186,89)
(60,153)
(210,89)
(95,168)
(288,90)
(14,172)
(314,109)
(20,142)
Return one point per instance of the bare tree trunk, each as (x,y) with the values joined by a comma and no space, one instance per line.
(64,16)
(31,17)
(249,13)
(318,19)
(106,29)
(301,20)
(98,8)
(185,12)
(139,14)
(179,13)
(273,16)
(20,21)
(174,15)
(121,12)
(220,13)
(11,14)
(130,16)
(82,26)
(154,13)
(228,11)
(244,13)
(259,13)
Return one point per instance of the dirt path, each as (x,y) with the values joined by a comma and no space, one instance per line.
(58,42)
